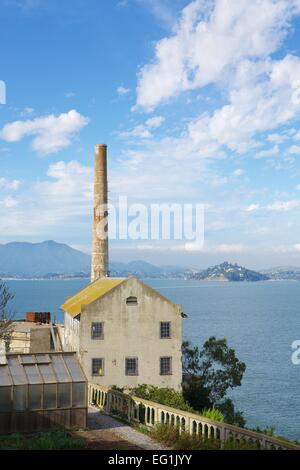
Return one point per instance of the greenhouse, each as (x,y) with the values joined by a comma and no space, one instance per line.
(42,392)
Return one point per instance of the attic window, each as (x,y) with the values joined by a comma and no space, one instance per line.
(131,300)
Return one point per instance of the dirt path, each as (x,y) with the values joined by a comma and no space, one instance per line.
(106,433)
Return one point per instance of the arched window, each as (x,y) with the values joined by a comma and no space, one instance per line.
(131,300)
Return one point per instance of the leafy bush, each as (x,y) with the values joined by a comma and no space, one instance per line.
(214,414)
(164,396)
(171,437)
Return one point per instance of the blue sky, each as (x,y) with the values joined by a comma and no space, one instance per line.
(197,102)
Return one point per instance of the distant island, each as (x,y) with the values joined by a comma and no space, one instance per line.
(53,260)
(229,272)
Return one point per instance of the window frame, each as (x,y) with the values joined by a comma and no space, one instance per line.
(160,330)
(103,366)
(99,338)
(132,300)
(131,358)
(170,372)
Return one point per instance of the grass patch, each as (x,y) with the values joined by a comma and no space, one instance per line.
(41,441)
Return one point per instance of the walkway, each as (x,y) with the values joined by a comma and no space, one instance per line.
(106,433)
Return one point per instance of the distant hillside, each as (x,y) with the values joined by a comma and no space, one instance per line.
(144,269)
(38,259)
(289,273)
(56,260)
(229,272)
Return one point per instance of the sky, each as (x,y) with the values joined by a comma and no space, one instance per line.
(198,102)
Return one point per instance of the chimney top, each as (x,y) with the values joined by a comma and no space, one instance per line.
(100,146)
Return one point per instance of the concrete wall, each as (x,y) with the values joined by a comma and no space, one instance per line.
(71,333)
(132,331)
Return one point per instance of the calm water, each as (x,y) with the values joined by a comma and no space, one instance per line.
(260,320)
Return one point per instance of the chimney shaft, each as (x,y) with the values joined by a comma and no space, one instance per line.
(100,240)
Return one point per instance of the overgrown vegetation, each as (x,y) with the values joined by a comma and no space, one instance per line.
(164,396)
(172,438)
(208,374)
(215,415)
(42,441)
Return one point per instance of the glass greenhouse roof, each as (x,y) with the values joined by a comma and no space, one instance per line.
(23,369)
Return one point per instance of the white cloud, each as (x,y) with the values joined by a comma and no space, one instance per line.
(238,172)
(277,138)
(294,150)
(7,184)
(155,122)
(142,131)
(121,90)
(253,207)
(51,133)
(8,203)
(60,203)
(272,152)
(283,206)
(27,111)
(210,38)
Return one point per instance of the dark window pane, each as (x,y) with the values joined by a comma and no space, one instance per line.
(165,366)
(64,396)
(98,366)
(35,397)
(78,395)
(97,330)
(131,366)
(49,396)
(165,329)
(131,300)
(5,398)
(20,398)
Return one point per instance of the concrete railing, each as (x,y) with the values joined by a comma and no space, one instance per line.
(114,402)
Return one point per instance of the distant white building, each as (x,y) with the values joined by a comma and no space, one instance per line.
(125,333)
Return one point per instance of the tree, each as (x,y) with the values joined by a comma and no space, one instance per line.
(6,314)
(209,373)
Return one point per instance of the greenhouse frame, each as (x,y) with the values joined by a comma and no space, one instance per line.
(42,391)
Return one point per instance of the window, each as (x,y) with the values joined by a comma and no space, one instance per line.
(5,398)
(78,395)
(97,331)
(20,397)
(98,366)
(131,366)
(35,397)
(49,396)
(165,329)
(131,300)
(165,366)
(64,396)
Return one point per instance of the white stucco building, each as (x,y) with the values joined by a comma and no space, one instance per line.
(125,333)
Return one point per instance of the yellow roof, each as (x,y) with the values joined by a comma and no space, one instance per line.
(90,293)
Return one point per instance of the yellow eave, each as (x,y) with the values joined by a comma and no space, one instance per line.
(89,294)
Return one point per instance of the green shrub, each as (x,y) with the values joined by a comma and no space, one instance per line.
(171,437)
(213,414)
(241,445)
(164,396)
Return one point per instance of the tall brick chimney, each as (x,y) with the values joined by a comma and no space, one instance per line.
(100,239)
